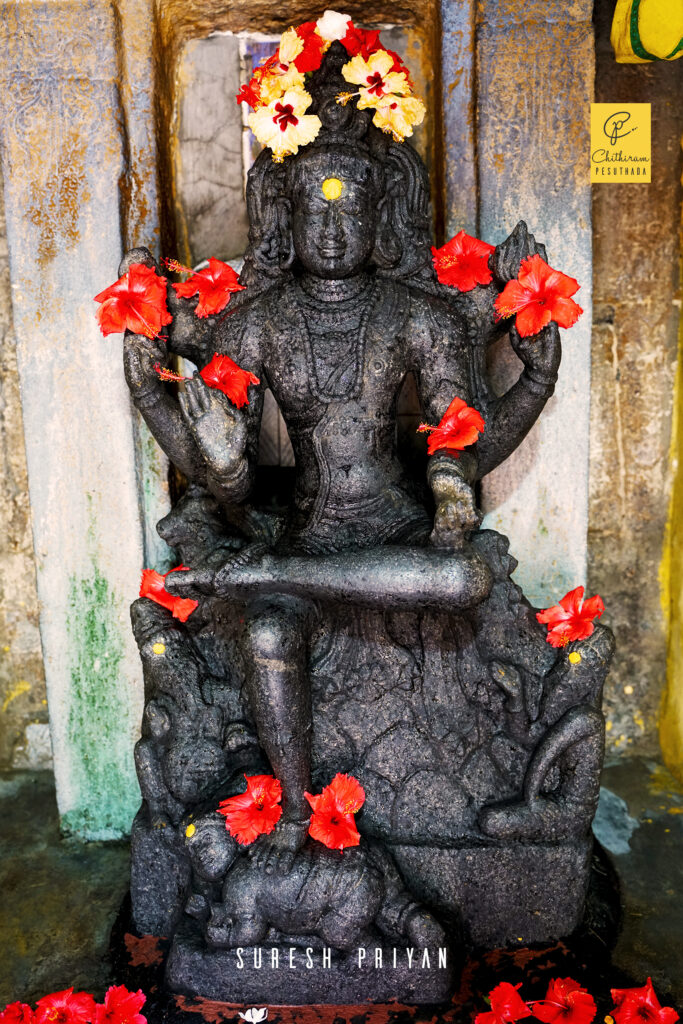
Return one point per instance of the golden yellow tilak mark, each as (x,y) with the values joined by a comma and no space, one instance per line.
(190,830)
(332,188)
(574,658)
(159,648)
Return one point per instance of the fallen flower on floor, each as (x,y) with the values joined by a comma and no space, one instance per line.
(571,619)
(640,1006)
(65,1007)
(136,303)
(152,586)
(507,1006)
(566,1002)
(459,427)
(255,812)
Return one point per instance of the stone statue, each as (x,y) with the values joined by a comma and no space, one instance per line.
(369,628)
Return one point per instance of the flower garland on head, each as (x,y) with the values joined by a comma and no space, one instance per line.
(278,98)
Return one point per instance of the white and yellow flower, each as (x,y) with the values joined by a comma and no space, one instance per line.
(375,78)
(283,125)
(399,115)
(333,26)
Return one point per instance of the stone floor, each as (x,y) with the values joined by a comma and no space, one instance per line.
(60,897)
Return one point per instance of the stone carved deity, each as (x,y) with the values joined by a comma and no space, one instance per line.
(372,628)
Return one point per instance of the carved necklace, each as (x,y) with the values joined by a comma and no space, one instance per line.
(336,372)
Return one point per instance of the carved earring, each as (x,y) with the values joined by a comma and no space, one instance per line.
(388,249)
(287,252)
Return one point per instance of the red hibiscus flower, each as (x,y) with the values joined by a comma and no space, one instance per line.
(214,285)
(640,1006)
(254,813)
(460,426)
(332,821)
(136,303)
(120,1007)
(463,263)
(152,587)
(311,56)
(17,1013)
(539,295)
(66,1007)
(225,375)
(250,93)
(506,1006)
(565,1003)
(571,620)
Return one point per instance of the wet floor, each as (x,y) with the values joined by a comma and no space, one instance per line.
(60,897)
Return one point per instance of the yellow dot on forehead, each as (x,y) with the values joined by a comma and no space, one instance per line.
(190,830)
(575,658)
(332,188)
(158,648)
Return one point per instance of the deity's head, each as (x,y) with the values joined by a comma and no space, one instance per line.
(351,199)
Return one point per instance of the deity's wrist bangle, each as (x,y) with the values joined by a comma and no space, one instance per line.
(539,385)
(231,477)
(145,398)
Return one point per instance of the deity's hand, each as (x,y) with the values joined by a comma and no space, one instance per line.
(541,353)
(139,357)
(509,254)
(218,427)
(456,510)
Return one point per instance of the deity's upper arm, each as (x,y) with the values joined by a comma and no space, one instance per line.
(439,355)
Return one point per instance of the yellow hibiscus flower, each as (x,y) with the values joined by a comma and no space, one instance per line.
(283,126)
(375,78)
(399,116)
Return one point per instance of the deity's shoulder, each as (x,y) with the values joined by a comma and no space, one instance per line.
(430,316)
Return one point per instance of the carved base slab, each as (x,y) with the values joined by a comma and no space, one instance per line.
(546,884)
(297,975)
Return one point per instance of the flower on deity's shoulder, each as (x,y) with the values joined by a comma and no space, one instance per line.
(572,618)
(459,427)
(641,1006)
(255,812)
(283,124)
(376,78)
(538,296)
(399,116)
(214,285)
(153,587)
(225,375)
(120,1007)
(507,1006)
(332,822)
(136,303)
(463,263)
(276,79)
(65,1007)
(333,26)
(566,1002)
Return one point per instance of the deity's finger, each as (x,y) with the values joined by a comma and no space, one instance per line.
(186,583)
(192,399)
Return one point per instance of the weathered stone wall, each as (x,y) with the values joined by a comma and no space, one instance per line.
(24,732)
(635,340)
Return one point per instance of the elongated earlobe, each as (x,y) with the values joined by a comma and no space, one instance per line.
(287,253)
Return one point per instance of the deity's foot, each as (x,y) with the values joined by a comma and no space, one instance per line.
(423,930)
(275,853)
(541,819)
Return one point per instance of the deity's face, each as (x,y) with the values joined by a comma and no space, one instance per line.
(334,215)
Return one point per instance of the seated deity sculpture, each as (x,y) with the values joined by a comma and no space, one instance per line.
(371,627)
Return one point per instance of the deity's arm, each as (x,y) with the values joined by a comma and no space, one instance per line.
(510,417)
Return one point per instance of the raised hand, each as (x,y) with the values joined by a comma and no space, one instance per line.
(218,427)
(509,254)
(541,353)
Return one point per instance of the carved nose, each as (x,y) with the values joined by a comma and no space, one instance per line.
(332,224)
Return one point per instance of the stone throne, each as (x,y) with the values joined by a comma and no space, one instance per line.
(369,628)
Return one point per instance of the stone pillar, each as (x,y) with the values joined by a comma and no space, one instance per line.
(63,162)
(535,66)
(518,81)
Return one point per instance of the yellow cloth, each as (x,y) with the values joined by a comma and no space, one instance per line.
(646,30)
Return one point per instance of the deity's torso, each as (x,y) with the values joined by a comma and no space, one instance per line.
(335,370)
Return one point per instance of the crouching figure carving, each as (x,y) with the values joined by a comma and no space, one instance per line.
(371,628)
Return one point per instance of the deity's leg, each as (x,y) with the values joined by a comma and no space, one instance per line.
(276,633)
